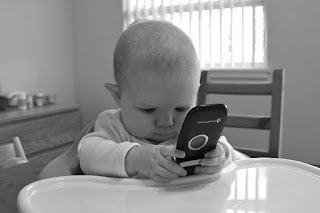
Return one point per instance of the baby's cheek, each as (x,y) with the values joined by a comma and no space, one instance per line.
(179,121)
(138,125)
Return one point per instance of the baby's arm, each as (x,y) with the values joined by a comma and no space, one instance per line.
(103,152)
(154,161)
(100,156)
(216,159)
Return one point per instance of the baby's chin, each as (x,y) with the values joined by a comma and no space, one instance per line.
(156,141)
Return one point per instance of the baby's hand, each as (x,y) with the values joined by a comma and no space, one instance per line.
(155,162)
(212,162)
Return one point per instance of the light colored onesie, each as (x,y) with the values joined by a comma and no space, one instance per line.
(103,151)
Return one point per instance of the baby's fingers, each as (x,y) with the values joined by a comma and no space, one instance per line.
(213,161)
(165,161)
(167,174)
(160,179)
(208,169)
(171,151)
(218,151)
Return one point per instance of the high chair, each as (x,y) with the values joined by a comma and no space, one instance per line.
(271,123)
(68,163)
(12,154)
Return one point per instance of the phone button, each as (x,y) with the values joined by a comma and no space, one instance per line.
(197,142)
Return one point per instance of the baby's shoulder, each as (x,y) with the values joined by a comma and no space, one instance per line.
(109,119)
(110,114)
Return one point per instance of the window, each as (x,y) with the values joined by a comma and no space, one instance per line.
(225,33)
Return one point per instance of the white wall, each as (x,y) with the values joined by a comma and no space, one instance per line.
(98,24)
(294,33)
(36,52)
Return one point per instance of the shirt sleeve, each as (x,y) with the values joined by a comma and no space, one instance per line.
(103,152)
(230,152)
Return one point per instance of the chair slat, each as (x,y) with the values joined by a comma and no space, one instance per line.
(254,122)
(240,88)
(276,113)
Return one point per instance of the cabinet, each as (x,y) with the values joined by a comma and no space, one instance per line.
(44,132)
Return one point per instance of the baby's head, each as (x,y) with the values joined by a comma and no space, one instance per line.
(157,74)
(156,47)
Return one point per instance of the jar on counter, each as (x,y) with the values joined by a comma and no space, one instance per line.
(52,99)
(30,101)
(3,102)
(22,101)
(38,99)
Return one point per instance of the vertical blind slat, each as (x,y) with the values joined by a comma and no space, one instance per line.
(126,12)
(253,33)
(190,17)
(210,35)
(154,12)
(171,10)
(180,11)
(137,10)
(162,9)
(200,28)
(221,34)
(145,9)
(242,31)
(231,34)
(129,12)
(265,38)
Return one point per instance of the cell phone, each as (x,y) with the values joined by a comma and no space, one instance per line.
(200,133)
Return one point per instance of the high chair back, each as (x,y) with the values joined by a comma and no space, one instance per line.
(12,153)
(68,163)
(272,123)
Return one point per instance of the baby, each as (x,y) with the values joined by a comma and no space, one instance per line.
(157,77)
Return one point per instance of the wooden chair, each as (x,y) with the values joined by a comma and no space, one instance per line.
(12,154)
(68,163)
(272,123)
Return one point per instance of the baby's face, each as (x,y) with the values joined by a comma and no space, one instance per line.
(153,107)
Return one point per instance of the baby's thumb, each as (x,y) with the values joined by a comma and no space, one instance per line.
(171,151)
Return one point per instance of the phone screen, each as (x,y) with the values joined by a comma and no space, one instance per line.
(200,133)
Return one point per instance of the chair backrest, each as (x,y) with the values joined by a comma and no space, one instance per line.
(12,153)
(67,163)
(272,123)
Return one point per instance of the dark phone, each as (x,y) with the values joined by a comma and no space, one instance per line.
(200,133)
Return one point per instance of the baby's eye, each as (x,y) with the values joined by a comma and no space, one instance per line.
(181,109)
(147,110)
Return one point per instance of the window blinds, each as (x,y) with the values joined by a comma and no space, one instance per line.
(225,33)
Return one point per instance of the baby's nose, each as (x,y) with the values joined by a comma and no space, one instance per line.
(165,120)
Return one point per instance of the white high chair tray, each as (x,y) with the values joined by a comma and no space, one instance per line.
(252,185)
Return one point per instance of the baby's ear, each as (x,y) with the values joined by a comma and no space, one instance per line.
(114,91)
